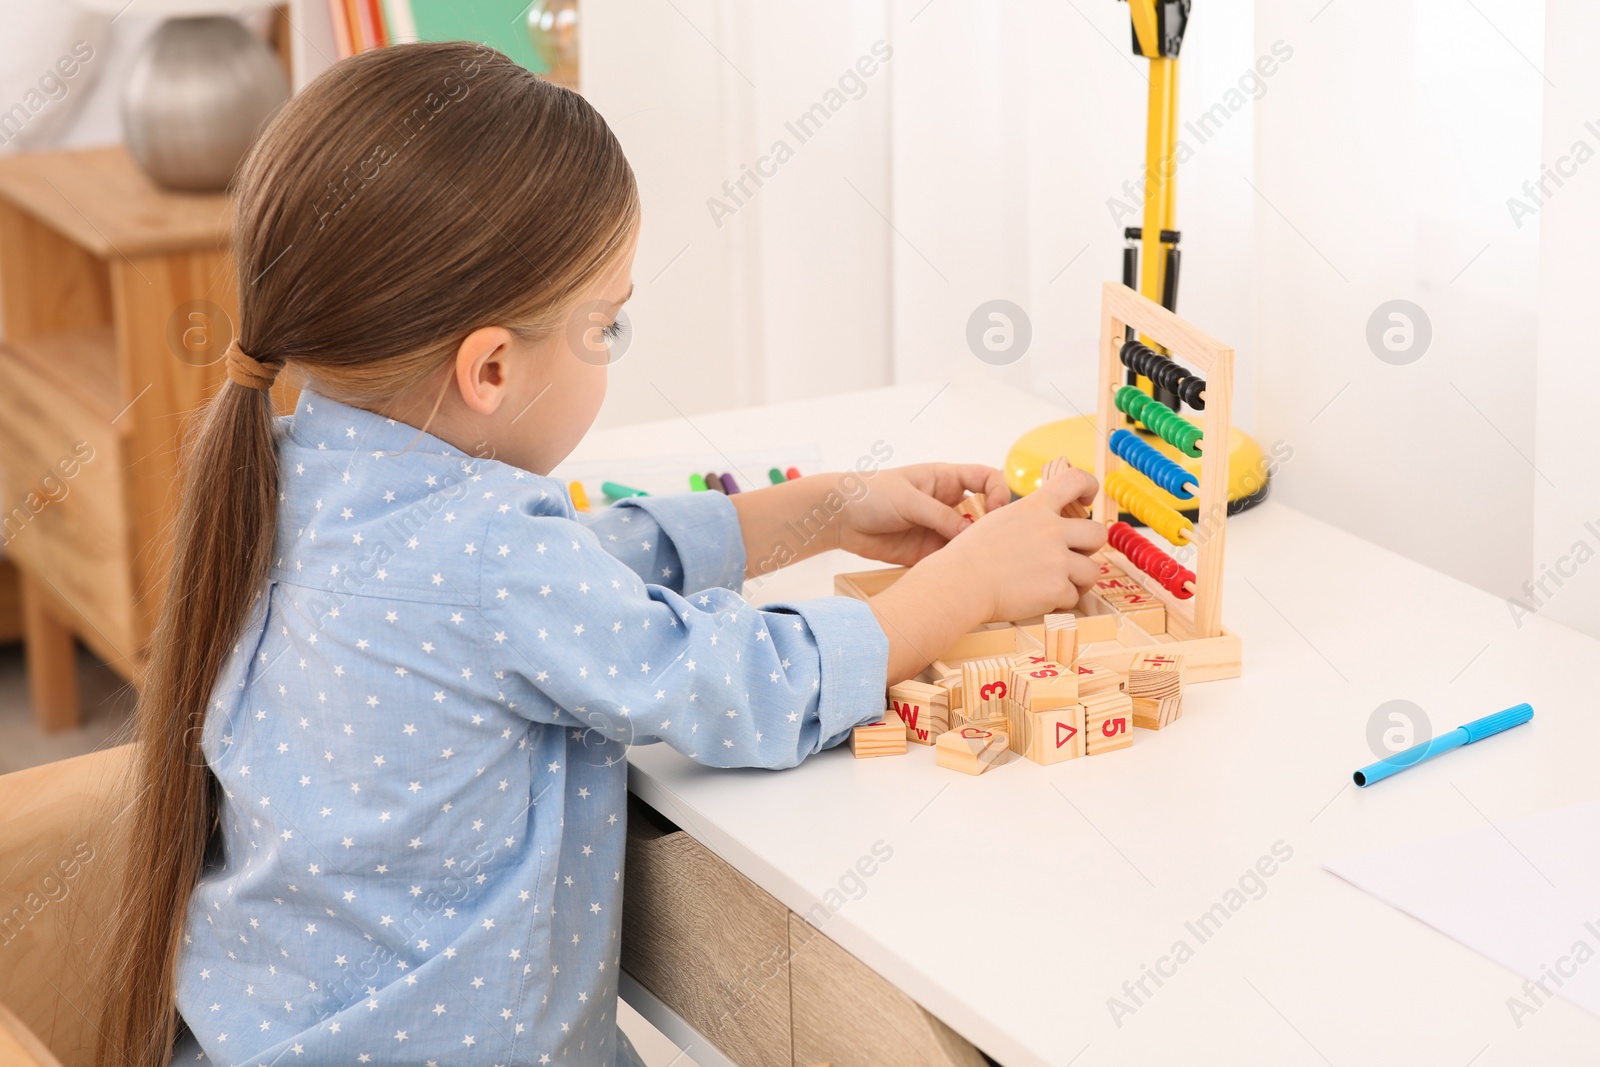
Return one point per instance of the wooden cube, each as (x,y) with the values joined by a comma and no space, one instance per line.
(1155,674)
(1146,713)
(1110,588)
(947,679)
(1050,735)
(1043,684)
(1061,637)
(887,737)
(985,684)
(1096,678)
(1150,713)
(1144,609)
(1100,625)
(1108,722)
(971,749)
(924,708)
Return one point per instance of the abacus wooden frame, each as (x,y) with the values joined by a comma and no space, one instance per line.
(1193,627)
(1199,617)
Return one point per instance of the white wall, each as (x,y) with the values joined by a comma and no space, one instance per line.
(785,297)
(1383,160)
(1567,495)
(1016,126)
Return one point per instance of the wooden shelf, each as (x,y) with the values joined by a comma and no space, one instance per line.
(101,201)
(80,362)
(98,268)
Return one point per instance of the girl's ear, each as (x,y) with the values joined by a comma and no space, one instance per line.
(483,365)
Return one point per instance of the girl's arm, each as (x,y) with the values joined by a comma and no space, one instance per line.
(579,639)
(684,541)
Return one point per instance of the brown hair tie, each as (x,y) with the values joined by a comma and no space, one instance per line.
(242,370)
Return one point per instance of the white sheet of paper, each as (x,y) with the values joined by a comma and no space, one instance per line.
(1525,893)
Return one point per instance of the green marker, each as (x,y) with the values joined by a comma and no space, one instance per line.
(620,492)
(697,483)
(775,476)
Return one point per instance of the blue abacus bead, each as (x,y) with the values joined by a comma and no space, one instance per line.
(1151,463)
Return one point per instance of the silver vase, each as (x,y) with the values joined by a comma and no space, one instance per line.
(197,95)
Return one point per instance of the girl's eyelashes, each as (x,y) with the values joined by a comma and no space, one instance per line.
(615,330)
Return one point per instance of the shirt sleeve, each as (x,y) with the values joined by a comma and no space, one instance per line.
(686,542)
(586,642)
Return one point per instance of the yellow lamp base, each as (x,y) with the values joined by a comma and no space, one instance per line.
(1249,468)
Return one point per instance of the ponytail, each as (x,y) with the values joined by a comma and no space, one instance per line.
(222,552)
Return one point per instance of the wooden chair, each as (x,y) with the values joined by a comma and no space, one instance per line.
(61,859)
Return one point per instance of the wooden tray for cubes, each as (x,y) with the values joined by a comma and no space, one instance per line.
(1105,635)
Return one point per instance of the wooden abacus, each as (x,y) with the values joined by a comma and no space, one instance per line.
(1130,470)
(1147,602)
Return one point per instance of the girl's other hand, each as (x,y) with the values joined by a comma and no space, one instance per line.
(903,514)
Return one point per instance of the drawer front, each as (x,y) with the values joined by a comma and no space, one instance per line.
(709,944)
(847,1015)
(63,516)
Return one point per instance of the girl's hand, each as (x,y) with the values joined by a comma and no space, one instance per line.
(903,514)
(1016,562)
(1028,559)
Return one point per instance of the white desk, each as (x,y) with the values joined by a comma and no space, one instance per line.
(1017,903)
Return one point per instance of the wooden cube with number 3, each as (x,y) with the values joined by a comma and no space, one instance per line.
(984,687)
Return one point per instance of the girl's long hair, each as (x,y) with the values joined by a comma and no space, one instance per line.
(403,199)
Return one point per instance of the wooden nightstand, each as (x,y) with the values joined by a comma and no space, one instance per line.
(118,302)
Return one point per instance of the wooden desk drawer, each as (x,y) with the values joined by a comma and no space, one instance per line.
(755,979)
(69,530)
(706,941)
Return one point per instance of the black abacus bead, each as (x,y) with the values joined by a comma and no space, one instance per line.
(1191,390)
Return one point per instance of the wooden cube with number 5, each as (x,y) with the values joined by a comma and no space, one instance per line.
(1108,722)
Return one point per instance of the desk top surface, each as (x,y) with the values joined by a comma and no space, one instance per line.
(1017,904)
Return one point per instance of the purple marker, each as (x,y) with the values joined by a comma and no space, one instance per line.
(729,485)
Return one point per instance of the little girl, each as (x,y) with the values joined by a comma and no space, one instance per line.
(383,736)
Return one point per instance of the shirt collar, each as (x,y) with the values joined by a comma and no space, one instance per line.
(327,425)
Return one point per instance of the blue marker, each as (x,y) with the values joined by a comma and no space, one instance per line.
(1476,730)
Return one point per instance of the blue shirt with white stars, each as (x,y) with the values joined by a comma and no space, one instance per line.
(421,742)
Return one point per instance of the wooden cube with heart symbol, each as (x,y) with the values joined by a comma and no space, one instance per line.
(972,749)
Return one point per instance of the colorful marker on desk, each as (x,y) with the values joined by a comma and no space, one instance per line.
(714,481)
(775,476)
(729,485)
(792,473)
(697,483)
(580,499)
(1476,730)
(620,492)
